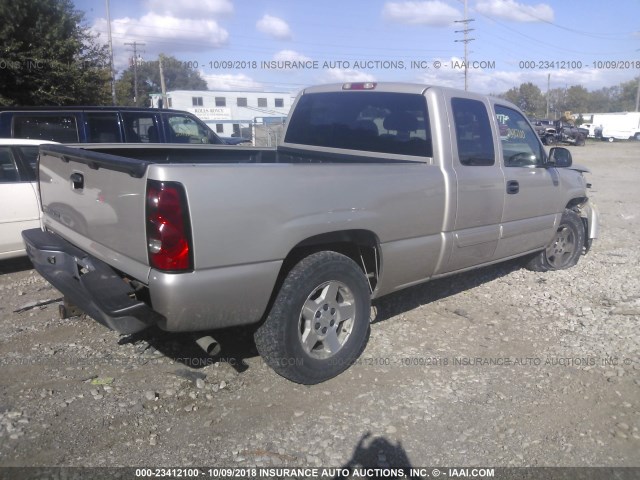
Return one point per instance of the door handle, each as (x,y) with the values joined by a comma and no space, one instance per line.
(513,187)
(77,181)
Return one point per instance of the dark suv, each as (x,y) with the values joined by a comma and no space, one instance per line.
(105,125)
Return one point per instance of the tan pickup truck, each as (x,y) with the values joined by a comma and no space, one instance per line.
(374,188)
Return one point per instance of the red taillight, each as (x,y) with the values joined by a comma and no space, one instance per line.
(168,235)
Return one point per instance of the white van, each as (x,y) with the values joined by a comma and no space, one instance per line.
(618,126)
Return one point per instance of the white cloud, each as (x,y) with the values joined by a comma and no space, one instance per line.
(340,75)
(290,55)
(191,8)
(432,12)
(491,81)
(275,27)
(231,82)
(514,11)
(160,33)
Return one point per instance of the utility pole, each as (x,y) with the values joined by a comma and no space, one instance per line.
(162,84)
(638,92)
(465,31)
(111,67)
(135,69)
(548,88)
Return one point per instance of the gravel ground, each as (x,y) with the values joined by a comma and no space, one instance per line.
(498,367)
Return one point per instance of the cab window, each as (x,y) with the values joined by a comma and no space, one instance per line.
(473,132)
(184,129)
(383,122)
(520,144)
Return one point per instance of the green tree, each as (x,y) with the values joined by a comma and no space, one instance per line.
(177,76)
(600,100)
(577,99)
(528,97)
(627,98)
(48,57)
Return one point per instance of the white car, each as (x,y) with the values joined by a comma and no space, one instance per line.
(18,193)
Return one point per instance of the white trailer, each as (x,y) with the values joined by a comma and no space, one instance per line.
(618,126)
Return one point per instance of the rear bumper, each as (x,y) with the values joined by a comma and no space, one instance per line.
(88,282)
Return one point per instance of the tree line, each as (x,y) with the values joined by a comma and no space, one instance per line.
(48,56)
(575,99)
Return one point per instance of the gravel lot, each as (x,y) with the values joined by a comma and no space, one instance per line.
(498,367)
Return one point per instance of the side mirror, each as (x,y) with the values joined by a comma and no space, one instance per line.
(560,157)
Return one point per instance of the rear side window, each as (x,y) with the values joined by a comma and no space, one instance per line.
(102,127)
(140,127)
(59,128)
(30,160)
(473,132)
(8,167)
(384,122)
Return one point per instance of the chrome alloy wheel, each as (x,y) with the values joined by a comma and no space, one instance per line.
(560,252)
(327,319)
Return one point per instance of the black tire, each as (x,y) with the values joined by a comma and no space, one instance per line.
(565,248)
(580,141)
(319,323)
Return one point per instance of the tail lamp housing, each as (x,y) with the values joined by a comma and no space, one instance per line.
(168,229)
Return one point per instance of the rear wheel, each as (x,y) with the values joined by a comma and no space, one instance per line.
(319,323)
(565,248)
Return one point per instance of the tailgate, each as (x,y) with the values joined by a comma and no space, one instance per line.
(97,202)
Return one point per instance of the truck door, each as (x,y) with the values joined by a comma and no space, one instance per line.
(480,184)
(532,196)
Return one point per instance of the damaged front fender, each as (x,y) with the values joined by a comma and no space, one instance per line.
(591,219)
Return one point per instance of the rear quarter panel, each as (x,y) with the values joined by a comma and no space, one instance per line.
(244,214)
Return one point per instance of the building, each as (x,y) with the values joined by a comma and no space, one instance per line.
(231,113)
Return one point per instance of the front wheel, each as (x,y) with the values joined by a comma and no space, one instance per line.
(319,323)
(565,248)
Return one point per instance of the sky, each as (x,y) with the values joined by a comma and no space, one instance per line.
(246,44)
